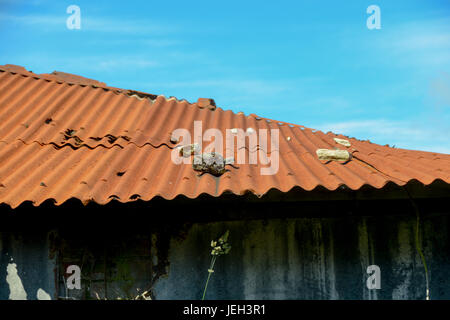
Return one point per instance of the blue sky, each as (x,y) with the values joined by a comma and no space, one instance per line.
(313,63)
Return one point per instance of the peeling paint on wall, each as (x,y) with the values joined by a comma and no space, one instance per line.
(17,291)
(42,295)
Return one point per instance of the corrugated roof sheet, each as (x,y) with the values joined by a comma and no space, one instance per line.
(64,136)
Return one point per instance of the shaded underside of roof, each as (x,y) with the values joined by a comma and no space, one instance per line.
(64,136)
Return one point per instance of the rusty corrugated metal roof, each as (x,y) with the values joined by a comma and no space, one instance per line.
(64,136)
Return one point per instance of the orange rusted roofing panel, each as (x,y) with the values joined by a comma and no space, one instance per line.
(64,136)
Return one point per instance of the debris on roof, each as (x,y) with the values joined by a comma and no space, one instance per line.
(190,149)
(337,155)
(209,162)
(206,103)
(343,142)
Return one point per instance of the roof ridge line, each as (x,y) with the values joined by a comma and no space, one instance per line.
(76,147)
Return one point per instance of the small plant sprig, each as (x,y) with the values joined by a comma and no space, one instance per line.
(220,247)
(140,296)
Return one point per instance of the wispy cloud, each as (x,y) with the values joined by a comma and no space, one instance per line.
(124,63)
(28,2)
(124,26)
(419,44)
(372,127)
(47,20)
(88,23)
(424,40)
(228,93)
(251,86)
(403,134)
(89,64)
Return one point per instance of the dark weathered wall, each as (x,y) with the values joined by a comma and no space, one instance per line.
(311,259)
(26,269)
(280,250)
